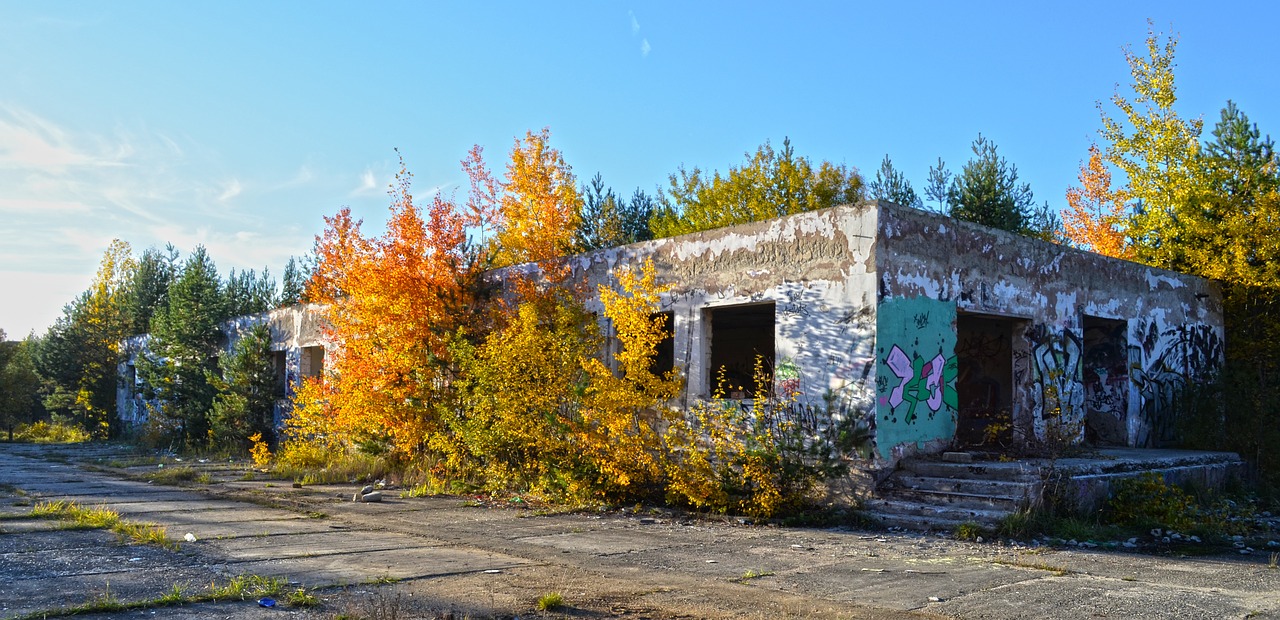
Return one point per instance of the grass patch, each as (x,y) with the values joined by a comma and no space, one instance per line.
(418,490)
(550,601)
(239,588)
(313,465)
(173,475)
(75,517)
(969,531)
(301,598)
(751,574)
(245,587)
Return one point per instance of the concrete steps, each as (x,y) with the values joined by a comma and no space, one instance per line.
(939,495)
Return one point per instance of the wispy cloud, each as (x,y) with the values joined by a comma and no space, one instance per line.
(368,184)
(230,190)
(28,141)
(635,32)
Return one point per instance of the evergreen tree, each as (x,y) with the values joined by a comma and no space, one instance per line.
(938,188)
(293,283)
(19,384)
(893,186)
(148,290)
(247,391)
(636,217)
(987,191)
(1244,160)
(608,221)
(602,225)
(247,293)
(184,347)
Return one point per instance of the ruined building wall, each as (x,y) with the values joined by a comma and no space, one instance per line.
(1104,342)
(297,340)
(816,270)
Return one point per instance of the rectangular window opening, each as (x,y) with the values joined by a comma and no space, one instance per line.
(312,361)
(664,359)
(739,336)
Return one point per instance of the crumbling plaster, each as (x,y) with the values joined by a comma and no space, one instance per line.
(1174,321)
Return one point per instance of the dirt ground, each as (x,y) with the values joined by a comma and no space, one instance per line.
(454,557)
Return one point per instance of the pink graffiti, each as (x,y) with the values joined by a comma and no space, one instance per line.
(930,372)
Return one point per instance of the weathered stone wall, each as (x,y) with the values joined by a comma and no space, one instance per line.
(293,328)
(817,268)
(1173,322)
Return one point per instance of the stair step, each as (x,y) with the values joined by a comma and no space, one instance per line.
(959,500)
(943,513)
(914,522)
(1013,471)
(972,486)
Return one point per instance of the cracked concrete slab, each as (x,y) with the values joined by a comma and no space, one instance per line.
(495,561)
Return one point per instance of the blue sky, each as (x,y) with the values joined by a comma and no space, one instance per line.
(238,125)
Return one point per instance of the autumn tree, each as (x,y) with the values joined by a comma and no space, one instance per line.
(770,184)
(81,350)
(536,204)
(392,305)
(1157,150)
(891,185)
(1096,215)
(625,413)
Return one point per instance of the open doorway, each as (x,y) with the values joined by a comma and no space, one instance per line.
(1106,381)
(738,335)
(984,380)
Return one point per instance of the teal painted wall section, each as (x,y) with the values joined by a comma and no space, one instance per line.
(915,373)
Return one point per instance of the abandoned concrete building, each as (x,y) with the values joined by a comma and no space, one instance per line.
(934,333)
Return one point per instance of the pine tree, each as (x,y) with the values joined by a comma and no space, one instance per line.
(247,391)
(184,351)
(893,186)
(987,191)
(293,283)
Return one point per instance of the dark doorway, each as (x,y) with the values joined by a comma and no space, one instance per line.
(1106,381)
(984,380)
(664,359)
(738,336)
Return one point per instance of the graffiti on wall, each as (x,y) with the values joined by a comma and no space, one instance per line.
(931,382)
(1056,358)
(1106,381)
(1161,364)
(916,399)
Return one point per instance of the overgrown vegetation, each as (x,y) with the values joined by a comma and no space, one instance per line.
(51,432)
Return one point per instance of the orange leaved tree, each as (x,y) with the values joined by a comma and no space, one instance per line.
(392,304)
(534,210)
(1096,217)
